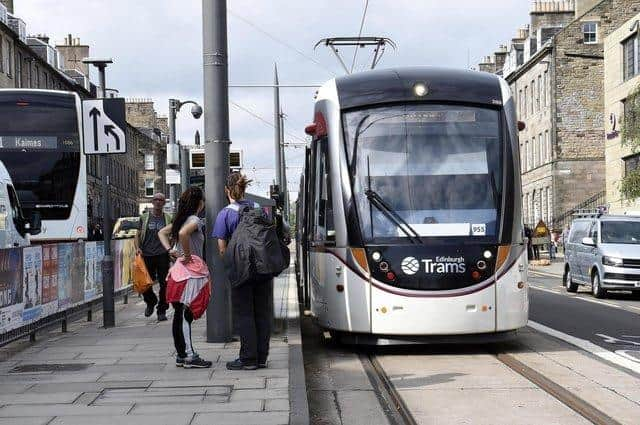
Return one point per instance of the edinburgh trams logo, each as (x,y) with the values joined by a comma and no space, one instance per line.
(439,265)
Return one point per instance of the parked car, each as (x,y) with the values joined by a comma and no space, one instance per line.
(604,253)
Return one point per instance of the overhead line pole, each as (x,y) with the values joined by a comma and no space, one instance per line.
(276,122)
(216,141)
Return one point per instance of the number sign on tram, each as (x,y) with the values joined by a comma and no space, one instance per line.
(104,126)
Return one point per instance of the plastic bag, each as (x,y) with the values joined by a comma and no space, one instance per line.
(141,278)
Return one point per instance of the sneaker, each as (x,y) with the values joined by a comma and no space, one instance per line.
(237,364)
(162,317)
(149,310)
(180,361)
(262,365)
(197,362)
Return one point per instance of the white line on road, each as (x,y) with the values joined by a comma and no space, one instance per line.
(590,300)
(588,346)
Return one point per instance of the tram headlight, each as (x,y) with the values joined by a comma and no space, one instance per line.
(487,254)
(376,256)
(420,89)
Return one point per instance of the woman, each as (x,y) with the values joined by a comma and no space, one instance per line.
(186,229)
(252,297)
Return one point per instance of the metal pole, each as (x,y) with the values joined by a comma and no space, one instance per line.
(184,168)
(216,141)
(276,121)
(172,141)
(108,306)
(283,172)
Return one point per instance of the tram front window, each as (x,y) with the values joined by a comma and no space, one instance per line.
(438,167)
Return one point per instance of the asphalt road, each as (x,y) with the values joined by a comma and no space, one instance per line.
(612,323)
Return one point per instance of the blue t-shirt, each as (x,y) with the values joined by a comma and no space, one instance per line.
(228,219)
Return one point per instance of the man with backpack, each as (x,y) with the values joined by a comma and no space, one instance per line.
(244,237)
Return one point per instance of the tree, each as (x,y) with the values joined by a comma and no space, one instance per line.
(630,183)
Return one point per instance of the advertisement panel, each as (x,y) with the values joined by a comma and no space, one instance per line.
(32,283)
(99,258)
(65,257)
(124,253)
(90,269)
(49,279)
(77,273)
(11,291)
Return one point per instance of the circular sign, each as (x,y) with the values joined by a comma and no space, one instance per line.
(410,266)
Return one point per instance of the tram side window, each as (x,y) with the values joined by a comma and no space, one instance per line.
(324,229)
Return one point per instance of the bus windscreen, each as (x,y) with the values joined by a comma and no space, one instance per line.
(40,147)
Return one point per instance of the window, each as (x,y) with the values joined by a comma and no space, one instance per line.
(549,205)
(631,163)
(534,152)
(6,57)
(148,187)
(526,89)
(544,89)
(323,228)
(590,32)
(149,162)
(2,54)
(540,90)
(543,149)
(630,57)
(520,103)
(526,156)
(547,142)
(534,97)
(18,63)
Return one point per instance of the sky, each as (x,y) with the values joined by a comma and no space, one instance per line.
(157,49)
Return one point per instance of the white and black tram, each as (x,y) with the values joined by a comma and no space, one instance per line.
(409,215)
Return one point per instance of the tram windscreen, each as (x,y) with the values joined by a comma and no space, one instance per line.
(437,167)
(40,147)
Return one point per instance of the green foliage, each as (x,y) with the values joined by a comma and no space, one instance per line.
(630,183)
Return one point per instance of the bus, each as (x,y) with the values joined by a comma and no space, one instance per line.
(41,147)
(410,218)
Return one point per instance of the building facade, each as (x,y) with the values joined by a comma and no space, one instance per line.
(151,140)
(558,85)
(621,80)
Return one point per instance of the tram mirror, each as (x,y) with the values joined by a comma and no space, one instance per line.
(521,126)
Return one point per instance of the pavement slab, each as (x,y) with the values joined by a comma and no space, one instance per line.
(129,376)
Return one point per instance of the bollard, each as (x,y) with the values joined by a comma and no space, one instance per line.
(125,299)
(89,315)
(32,336)
(64,325)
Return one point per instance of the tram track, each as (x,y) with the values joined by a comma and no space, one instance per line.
(398,413)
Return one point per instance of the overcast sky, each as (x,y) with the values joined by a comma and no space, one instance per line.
(157,47)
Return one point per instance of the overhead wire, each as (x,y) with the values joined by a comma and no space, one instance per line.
(269,123)
(276,39)
(364,14)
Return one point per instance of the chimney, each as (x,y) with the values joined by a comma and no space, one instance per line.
(43,37)
(8,4)
(500,57)
(73,53)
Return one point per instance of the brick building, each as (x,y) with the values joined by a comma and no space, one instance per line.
(555,69)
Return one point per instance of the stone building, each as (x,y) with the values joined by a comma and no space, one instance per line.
(621,79)
(151,159)
(558,86)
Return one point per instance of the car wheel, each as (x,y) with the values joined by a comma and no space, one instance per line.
(596,287)
(569,283)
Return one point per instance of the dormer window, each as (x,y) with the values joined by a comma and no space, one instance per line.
(590,32)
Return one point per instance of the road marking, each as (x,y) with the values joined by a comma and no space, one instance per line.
(559,276)
(578,297)
(539,288)
(588,346)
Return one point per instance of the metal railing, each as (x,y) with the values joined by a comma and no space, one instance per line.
(589,207)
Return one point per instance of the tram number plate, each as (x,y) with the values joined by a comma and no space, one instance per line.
(478,229)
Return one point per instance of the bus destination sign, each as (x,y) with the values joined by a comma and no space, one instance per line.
(30,142)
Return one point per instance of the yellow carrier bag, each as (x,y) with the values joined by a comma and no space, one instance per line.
(141,278)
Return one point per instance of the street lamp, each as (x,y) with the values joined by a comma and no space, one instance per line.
(108,306)
(173,152)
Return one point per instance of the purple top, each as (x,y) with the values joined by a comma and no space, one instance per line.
(228,219)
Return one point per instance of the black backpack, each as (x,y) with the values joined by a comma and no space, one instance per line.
(255,249)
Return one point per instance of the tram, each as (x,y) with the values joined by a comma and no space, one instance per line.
(409,221)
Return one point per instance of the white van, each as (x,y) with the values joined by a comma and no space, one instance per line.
(14,227)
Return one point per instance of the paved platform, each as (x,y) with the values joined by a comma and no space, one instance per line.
(127,374)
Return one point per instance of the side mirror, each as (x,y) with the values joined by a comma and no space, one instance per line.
(35,223)
(588,242)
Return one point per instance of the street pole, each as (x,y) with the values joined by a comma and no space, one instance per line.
(172,142)
(184,168)
(283,172)
(276,121)
(108,305)
(216,142)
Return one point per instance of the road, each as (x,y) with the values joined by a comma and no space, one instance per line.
(612,323)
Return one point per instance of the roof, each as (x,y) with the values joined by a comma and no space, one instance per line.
(396,85)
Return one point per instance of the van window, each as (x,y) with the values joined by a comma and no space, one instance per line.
(593,232)
(579,230)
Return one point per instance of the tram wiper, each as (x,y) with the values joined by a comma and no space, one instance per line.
(376,200)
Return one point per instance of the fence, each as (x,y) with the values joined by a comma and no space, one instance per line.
(46,283)
(590,204)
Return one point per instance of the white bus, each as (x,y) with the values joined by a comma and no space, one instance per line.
(41,147)
(409,223)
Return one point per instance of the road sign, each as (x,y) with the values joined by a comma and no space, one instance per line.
(104,126)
